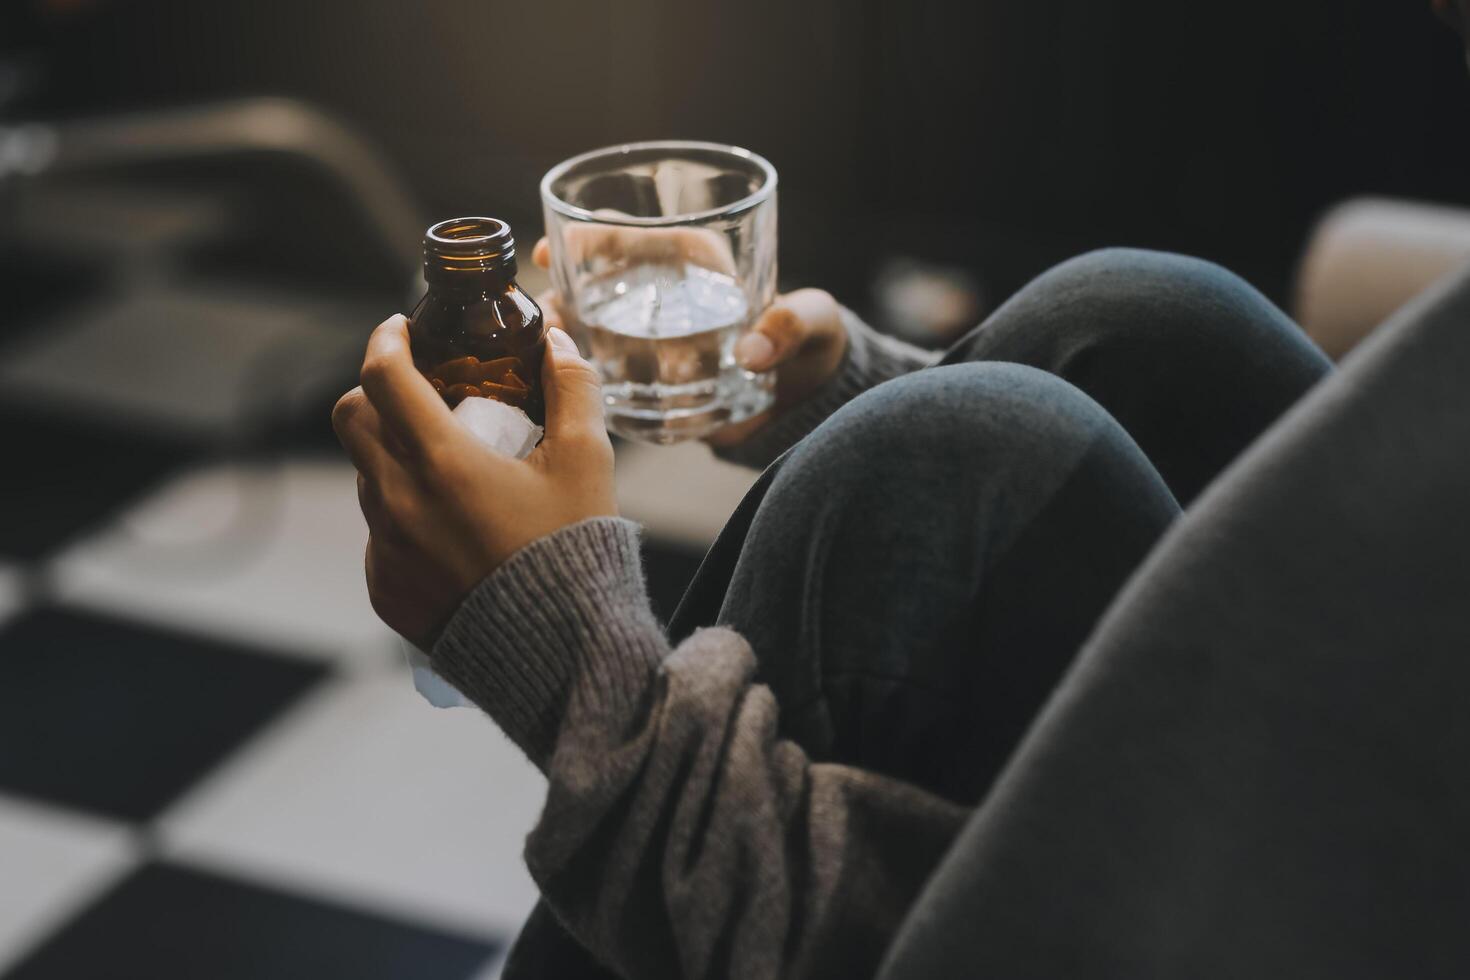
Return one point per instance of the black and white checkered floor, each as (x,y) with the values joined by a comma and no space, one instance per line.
(212,763)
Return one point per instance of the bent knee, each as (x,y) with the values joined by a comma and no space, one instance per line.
(1121,261)
(1138,289)
(1137,275)
(992,411)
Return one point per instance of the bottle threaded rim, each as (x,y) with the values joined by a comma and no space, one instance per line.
(469,245)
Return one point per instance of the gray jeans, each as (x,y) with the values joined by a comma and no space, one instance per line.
(1256,766)
(917,574)
(1227,741)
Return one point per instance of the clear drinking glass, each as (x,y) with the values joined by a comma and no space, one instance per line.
(663,255)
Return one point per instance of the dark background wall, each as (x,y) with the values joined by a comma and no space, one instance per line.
(1002,135)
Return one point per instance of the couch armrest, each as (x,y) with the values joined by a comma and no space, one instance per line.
(1369,256)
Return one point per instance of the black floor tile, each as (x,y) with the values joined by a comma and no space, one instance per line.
(119,718)
(669,569)
(167,921)
(60,478)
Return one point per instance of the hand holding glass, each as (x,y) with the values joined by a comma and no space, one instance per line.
(664,255)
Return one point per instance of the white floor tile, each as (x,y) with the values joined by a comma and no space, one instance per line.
(365,794)
(52,862)
(680,493)
(270,553)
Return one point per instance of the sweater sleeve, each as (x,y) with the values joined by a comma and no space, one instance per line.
(871,358)
(681,836)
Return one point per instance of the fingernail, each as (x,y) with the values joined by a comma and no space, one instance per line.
(754,351)
(561,340)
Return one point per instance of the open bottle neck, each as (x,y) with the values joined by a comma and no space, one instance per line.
(478,281)
(470,254)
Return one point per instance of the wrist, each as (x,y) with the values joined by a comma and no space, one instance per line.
(566,613)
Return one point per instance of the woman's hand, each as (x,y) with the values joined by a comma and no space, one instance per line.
(800,336)
(443,511)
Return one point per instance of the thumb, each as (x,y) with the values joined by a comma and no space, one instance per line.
(788,325)
(573,393)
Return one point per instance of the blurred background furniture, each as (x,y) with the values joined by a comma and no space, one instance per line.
(1370,256)
(179,269)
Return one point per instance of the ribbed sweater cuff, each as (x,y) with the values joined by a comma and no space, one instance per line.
(871,359)
(569,612)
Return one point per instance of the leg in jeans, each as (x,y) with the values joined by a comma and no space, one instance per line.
(1258,767)
(1188,357)
(1191,359)
(918,572)
(865,651)
(921,570)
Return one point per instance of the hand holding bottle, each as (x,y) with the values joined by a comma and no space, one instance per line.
(443,511)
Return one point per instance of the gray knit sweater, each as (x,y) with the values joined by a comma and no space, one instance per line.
(681,837)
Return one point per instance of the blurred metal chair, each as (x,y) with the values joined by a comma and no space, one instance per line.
(188,357)
(251,126)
